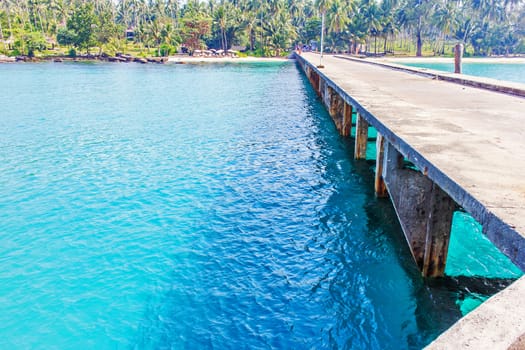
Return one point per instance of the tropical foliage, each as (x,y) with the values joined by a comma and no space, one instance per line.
(265,27)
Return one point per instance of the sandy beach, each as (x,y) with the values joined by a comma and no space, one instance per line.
(405,59)
(201,59)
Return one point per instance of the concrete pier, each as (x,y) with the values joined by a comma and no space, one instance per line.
(424,211)
(440,145)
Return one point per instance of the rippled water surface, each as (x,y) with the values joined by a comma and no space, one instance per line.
(198,207)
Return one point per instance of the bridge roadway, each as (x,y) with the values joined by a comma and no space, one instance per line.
(469,141)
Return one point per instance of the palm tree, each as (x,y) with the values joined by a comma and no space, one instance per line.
(414,17)
(279,28)
(373,20)
(264,8)
(446,20)
(6,8)
(172,8)
(338,15)
(221,18)
(249,23)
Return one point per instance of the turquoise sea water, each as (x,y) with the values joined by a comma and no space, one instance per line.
(197,207)
(505,71)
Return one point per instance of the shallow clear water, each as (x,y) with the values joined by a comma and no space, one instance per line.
(170,207)
(503,71)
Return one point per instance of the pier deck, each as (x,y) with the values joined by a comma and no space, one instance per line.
(471,143)
(474,137)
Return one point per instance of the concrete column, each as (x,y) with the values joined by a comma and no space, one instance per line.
(424,211)
(337,110)
(314,79)
(331,102)
(361,137)
(339,102)
(379,183)
(439,222)
(316,83)
(458,56)
(347,119)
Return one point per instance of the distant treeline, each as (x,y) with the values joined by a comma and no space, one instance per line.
(264,27)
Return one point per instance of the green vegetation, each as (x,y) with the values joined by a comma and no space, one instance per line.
(263,27)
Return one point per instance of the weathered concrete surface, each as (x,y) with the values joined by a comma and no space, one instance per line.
(468,141)
(497,324)
(507,87)
(424,211)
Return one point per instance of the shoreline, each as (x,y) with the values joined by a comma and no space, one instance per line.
(227,59)
(82,58)
(185,59)
(182,59)
(405,59)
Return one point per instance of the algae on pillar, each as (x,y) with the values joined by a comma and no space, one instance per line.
(361,137)
(379,183)
(347,119)
(424,210)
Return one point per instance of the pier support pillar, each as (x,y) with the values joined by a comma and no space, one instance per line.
(336,109)
(347,119)
(424,211)
(314,79)
(458,56)
(379,183)
(361,137)
(332,102)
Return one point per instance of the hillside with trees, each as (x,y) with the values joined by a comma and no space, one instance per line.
(262,27)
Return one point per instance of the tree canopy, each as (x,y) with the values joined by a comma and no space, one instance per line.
(266,27)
